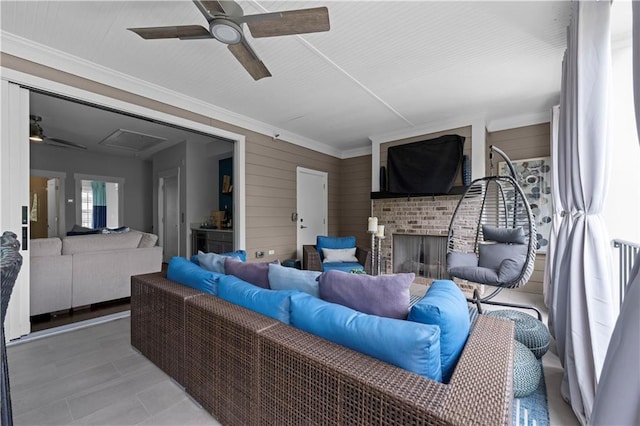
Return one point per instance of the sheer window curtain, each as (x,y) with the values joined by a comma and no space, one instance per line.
(582,308)
(618,391)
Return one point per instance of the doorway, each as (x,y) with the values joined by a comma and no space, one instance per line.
(312,206)
(169,213)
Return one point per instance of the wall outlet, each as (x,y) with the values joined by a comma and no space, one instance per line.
(271,252)
(259,254)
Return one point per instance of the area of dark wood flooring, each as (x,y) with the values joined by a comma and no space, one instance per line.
(56,319)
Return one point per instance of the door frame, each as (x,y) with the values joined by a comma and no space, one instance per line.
(61,213)
(17,131)
(325,203)
(161,205)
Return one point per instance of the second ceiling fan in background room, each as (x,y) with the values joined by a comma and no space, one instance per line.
(225,20)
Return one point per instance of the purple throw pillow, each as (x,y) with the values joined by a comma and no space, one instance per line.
(382,295)
(254,273)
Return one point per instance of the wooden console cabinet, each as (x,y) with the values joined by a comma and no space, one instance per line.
(211,240)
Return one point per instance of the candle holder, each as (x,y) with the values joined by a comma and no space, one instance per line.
(373,252)
(379,262)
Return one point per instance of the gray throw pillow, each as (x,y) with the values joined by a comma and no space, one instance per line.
(492,255)
(503,235)
(382,295)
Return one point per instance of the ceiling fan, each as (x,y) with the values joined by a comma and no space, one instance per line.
(36,134)
(225,20)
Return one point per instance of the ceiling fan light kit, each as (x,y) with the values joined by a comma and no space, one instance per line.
(36,134)
(225,19)
(35,130)
(226,31)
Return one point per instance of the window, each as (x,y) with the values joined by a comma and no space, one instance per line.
(87,204)
(113,201)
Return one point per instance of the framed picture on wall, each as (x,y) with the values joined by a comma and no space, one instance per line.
(534,177)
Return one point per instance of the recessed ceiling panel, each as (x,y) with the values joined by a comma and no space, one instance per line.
(131,141)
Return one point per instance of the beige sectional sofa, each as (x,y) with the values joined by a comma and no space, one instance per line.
(81,270)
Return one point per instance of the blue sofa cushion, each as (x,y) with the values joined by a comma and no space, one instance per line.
(383,295)
(274,304)
(282,278)
(408,345)
(185,272)
(342,266)
(238,254)
(333,243)
(445,306)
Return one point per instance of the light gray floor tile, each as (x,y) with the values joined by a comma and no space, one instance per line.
(60,388)
(34,376)
(112,391)
(183,413)
(131,363)
(160,396)
(84,361)
(54,414)
(128,411)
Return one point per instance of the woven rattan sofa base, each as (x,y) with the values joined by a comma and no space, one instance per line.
(157,321)
(245,368)
(221,358)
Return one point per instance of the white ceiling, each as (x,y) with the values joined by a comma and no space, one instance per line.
(385,66)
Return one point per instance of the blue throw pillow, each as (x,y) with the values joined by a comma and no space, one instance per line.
(408,345)
(282,278)
(444,305)
(274,304)
(185,272)
(333,243)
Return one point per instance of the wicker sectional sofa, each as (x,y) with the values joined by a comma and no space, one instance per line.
(246,368)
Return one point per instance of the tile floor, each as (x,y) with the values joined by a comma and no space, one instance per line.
(92,376)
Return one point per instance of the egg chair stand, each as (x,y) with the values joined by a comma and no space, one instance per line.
(492,236)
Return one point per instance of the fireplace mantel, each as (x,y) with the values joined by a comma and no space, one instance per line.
(456,190)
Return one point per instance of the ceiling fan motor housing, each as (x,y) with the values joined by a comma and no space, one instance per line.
(226,31)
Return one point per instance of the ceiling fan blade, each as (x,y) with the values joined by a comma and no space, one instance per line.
(183,32)
(291,22)
(249,60)
(63,143)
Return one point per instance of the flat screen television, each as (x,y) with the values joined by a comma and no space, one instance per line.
(425,167)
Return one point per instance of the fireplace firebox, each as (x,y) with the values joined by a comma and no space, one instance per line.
(424,255)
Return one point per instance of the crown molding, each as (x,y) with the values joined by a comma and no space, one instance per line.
(62,61)
(519,121)
(426,129)
(356,152)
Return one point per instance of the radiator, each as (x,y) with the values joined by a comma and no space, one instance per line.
(627,253)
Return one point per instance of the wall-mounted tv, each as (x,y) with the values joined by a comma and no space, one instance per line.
(425,167)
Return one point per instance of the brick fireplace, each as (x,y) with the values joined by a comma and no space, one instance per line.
(425,216)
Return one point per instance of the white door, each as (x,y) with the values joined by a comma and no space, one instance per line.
(171,222)
(14,193)
(312,208)
(52,207)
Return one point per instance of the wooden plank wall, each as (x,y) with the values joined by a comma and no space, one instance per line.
(271,194)
(520,143)
(355,198)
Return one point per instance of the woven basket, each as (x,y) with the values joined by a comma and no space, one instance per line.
(529,331)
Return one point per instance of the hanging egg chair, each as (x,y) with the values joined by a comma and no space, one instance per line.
(492,235)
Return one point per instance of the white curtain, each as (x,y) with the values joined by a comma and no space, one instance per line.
(556,215)
(582,306)
(618,393)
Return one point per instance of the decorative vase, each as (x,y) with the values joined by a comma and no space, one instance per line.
(466,170)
